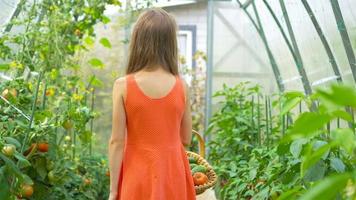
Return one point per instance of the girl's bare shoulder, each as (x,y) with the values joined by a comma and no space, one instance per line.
(184,82)
(120,85)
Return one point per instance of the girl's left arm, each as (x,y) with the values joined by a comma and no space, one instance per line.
(117,139)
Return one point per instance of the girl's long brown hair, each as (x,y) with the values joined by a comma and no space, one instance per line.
(154,42)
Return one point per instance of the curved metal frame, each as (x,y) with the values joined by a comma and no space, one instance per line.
(344,36)
(15,14)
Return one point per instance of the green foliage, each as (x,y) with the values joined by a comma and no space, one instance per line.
(328,151)
(97,63)
(327,188)
(45,113)
(105,42)
(243,165)
(313,160)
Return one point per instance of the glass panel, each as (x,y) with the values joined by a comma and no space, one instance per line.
(239,53)
(7,7)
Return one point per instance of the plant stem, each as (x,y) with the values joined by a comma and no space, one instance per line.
(252,112)
(270,115)
(258,120)
(32,111)
(44,96)
(267,122)
(92,122)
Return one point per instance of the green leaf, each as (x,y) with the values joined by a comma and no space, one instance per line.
(105,42)
(5,193)
(283,148)
(337,164)
(315,172)
(344,138)
(22,161)
(85,136)
(40,166)
(89,41)
(303,126)
(290,194)
(293,94)
(296,147)
(11,166)
(105,19)
(27,179)
(96,63)
(289,104)
(312,158)
(94,81)
(263,194)
(13,141)
(115,2)
(342,115)
(328,188)
(319,143)
(252,174)
(339,94)
(4,66)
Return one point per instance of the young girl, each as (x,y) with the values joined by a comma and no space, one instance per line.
(151,124)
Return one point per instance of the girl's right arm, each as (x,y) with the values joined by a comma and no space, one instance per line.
(117,140)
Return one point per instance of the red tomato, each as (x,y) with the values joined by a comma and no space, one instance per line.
(43,147)
(26,190)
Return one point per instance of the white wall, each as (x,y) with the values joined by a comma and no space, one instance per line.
(193,14)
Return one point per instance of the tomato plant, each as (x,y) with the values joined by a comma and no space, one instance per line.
(44,105)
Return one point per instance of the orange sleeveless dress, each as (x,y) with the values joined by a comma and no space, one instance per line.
(155,165)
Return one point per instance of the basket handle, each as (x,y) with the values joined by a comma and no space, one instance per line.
(201,143)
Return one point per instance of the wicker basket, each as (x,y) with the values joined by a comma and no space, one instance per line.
(212,177)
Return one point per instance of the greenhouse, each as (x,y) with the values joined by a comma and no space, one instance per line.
(270,86)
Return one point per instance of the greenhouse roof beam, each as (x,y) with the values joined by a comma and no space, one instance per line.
(294,78)
(15,14)
(247,3)
(262,35)
(273,61)
(324,80)
(299,60)
(344,36)
(324,41)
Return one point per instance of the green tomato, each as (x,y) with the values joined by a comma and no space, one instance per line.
(67,138)
(67,125)
(52,177)
(274,195)
(9,150)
